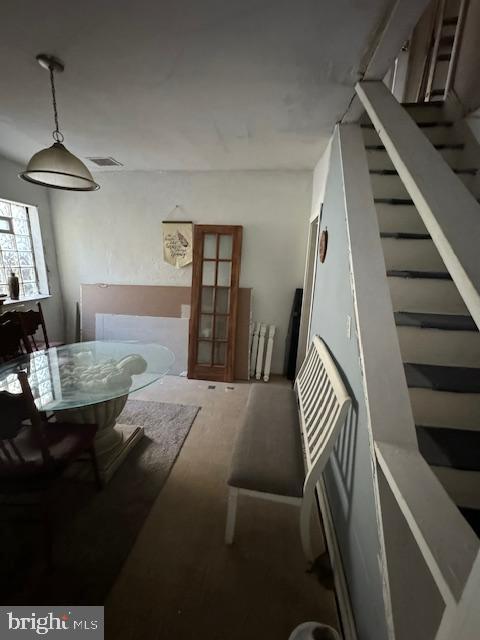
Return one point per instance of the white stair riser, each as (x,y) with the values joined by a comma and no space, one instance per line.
(434,346)
(462,486)
(388,187)
(381,159)
(436,135)
(426,295)
(399,219)
(385,186)
(425,113)
(419,255)
(446,409)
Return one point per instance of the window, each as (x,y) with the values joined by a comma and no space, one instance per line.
(18,247)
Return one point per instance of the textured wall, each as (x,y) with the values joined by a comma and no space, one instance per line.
(115,235)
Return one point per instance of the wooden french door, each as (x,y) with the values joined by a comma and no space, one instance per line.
(213,322)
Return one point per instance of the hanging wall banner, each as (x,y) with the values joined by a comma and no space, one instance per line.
(177,243)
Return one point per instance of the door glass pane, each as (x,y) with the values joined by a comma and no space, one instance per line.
(225,249)
(207,299)
(222,300)
(210,245)
(224,270)
(208,274)
(206,327)
(219,352)
(221,327)
(204,352)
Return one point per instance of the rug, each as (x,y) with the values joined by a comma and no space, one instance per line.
(95,531)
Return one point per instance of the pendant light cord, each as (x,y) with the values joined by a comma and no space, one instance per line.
(57,134)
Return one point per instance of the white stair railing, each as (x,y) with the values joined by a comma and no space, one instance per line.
(451,215)
(449,211)
(448,546)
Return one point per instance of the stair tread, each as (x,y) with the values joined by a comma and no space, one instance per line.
(395,201)
(443,321)
(406,105)
(422,124)
(403,235)
(394,172)
(457,146)
(472,516)
(446,41)
(411,273)
(450,22)
(440,378)
(406,202)
(450,447)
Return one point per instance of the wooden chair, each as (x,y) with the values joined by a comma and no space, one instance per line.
(31,321)
(12,344)
(34,453)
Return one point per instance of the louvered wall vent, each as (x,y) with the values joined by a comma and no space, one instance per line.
(106,162)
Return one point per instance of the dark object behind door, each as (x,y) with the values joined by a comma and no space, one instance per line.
(291,343)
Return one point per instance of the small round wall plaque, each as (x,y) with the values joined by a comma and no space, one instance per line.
(322,251)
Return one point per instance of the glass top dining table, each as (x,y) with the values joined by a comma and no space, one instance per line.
(87,373)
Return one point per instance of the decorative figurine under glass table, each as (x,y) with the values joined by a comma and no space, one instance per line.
(89,382)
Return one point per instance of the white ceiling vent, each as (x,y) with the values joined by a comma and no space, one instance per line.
(106,162)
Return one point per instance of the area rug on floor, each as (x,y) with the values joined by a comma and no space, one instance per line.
(95,531)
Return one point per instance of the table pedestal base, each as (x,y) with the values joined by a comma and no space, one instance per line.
(109,461)
(113,441)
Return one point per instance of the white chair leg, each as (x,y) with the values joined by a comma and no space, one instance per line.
(231,515)
(306,528)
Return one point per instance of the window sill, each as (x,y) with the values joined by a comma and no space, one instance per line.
(7,301)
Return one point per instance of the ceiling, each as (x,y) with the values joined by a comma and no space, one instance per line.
(184,84)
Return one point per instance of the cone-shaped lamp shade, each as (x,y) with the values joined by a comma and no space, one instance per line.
(57,168)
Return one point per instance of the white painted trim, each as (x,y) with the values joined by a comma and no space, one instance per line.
(456,47)
(23,301)
(340,580)
(464,622)
(450,550)
(436,44)
(38,251)
(435,190)
(380,359)
(396,30)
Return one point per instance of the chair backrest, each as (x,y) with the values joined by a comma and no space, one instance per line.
(31,321)
(323,406)
(11,338)
(15,410)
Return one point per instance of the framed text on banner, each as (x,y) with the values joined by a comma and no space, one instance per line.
(177,243)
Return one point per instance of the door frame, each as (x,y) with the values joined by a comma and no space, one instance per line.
(218,373)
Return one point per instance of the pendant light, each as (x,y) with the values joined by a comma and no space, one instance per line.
(55,166)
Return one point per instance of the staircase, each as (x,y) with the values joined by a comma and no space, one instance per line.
(439,341)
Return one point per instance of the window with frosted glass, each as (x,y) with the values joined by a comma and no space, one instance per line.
(16,250)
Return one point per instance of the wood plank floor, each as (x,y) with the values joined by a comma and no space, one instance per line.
(180,581)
